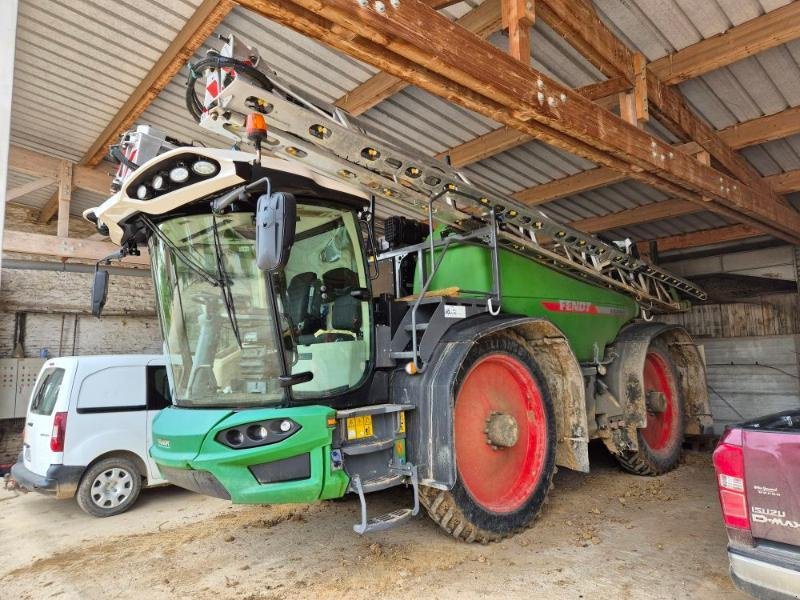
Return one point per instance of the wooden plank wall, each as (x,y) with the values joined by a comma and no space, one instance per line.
(777,314)
(752,354)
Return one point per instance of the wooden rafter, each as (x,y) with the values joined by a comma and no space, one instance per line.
(756,131)
(578,20)
(415,43)
(567,186)
(196,31)
(483,21)
(648,213)
(193,34)
(704,237)
(751,37)
(30,187)
(29,162)
(505,138)
(785,183)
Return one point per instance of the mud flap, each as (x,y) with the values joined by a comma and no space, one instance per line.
(430,426)
(625,380)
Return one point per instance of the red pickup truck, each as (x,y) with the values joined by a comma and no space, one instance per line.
(758,476)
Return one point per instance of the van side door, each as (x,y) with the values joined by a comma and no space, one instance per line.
(158,398)
(110,414)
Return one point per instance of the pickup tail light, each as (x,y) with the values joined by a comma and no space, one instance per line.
(729,465)
(59,432)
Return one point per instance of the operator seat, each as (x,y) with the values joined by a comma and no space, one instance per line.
(345,311)
(304,295)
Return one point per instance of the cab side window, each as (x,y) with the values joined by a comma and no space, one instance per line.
(158,392)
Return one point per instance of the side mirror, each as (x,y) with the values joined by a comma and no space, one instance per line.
(99,291)
(276,216)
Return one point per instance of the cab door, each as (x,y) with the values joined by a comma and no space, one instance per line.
(158,398)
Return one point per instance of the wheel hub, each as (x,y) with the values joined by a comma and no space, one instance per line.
(502,430)
(656,402)
(111,488)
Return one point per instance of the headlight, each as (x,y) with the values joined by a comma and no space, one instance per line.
(143,192)
(260,433)
(159,182)
(179,173)
(204,168)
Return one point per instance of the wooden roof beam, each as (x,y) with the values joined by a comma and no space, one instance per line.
(603,93)
(578,22)
(483,21)
(29,162)
(704,237)
(64,247)
(673,207)
(414,42)
(755,131)
(655,211)
(751,37)
(785,183)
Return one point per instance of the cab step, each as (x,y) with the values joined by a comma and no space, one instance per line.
(392,518)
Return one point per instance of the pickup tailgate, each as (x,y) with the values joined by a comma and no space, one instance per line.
(772,473)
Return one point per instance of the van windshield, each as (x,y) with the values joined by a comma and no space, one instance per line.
(46,392)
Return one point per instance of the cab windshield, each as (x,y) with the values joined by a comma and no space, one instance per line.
(230,333)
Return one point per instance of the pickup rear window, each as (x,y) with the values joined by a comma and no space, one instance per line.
(46,393)
(786,421)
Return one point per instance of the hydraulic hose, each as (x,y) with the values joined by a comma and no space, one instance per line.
(120,157)
(193,104)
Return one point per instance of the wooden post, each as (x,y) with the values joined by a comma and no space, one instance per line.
(627,108)
(64,197)
(518,18)
(640,88)
(633,105)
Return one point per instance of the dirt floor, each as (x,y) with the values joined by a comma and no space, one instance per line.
(603,535)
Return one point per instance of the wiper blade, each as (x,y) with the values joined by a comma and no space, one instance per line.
(225,283)
(196,268)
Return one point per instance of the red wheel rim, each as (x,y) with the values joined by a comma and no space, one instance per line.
(500,479)
(661,426)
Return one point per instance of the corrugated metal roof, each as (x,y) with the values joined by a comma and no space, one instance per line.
(79,61)
(105,47)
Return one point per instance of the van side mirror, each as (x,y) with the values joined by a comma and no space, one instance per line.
(99,291)
(276,216)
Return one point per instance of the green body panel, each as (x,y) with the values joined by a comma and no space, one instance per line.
(185,439)
(587,314)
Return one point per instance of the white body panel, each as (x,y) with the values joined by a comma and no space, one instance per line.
(120,206)
(106,401)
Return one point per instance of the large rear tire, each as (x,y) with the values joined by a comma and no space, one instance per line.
(505,439)
(661,441)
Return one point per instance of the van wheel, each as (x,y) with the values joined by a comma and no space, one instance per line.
(109,487)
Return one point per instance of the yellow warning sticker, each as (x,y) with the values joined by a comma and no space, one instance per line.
(402,428)
(359,427)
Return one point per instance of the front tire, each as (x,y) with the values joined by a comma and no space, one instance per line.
(505,439)
(109,487)
(660,442)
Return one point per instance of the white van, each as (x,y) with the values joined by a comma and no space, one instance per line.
(88,430)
